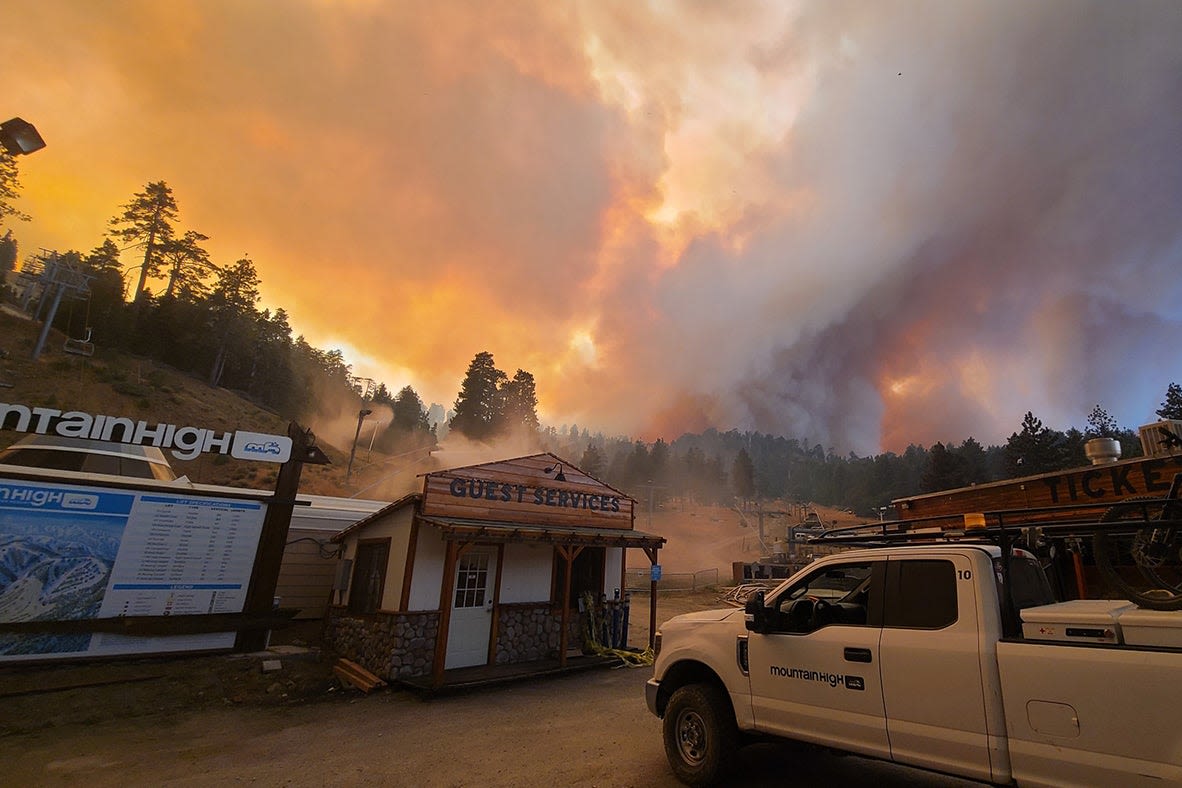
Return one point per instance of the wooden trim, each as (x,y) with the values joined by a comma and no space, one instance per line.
(496,604)
(446,589)
(408,571)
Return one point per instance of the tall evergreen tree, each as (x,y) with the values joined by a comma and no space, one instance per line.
(146,222)
(1100,424)
(409,415)
(593,462)
(945,470)
(8,254)
(1171,408)
(743,475)
(9,187)
(519,400)
(233,310)
(187,264)
(1032,450)
(478,407)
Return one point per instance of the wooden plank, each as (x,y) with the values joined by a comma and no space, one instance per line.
(352,673)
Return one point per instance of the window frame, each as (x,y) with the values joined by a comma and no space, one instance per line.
(361,604)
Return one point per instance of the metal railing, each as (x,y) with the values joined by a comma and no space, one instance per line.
(640,580)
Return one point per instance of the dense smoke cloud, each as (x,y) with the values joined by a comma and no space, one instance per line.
(861,225)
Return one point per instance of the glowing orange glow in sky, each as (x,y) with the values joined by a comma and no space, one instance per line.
(858,225)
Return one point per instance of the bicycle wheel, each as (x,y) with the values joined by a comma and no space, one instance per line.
(1143,562)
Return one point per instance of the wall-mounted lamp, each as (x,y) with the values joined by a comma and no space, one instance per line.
(558,477)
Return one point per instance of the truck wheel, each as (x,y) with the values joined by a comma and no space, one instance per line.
(700,734)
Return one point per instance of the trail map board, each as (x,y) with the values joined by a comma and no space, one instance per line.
(72,552)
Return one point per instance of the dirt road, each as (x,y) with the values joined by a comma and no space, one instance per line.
(218,720)
(589,729)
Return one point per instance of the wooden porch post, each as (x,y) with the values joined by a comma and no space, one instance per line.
(446,589)
(651,552)
(568,553)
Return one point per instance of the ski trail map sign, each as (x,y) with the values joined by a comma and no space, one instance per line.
(70,552)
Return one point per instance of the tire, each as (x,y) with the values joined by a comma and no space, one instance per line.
(1161,588)
(701,737)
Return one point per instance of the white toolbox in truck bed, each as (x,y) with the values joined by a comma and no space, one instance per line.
(1076,621)
(1140,627)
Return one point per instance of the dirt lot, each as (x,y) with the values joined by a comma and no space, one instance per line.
(221,720)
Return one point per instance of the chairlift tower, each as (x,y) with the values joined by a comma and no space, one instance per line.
(60,277)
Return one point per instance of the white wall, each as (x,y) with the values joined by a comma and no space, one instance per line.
(613,566)
(427,580)
(527,573)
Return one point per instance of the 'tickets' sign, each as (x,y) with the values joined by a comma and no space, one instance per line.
(185,443)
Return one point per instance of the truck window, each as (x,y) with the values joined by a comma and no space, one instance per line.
(920,595)
(833,595)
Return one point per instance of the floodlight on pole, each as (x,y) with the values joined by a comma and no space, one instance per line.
(361,414)
(19,137)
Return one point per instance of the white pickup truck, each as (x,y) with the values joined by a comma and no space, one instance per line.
(907,654)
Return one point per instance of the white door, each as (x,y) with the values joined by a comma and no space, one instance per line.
(471,613)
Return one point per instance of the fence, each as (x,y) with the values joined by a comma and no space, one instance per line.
(641,580)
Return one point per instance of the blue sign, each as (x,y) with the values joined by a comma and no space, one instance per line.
(656,572)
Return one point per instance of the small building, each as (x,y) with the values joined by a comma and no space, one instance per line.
(489,565)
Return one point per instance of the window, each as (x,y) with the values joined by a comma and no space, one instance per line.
(842,594)
(920,595)
(369,575)
(471,580)
(586,575)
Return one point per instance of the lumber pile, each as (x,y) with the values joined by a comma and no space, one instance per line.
(350,672)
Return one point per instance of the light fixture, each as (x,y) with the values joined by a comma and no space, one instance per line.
(560,476)
(20,137)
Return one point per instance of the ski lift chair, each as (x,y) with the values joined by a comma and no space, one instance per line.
(80,347)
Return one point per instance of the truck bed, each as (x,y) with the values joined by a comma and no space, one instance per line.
(1071,709)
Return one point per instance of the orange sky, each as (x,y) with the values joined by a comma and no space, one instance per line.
(861,226)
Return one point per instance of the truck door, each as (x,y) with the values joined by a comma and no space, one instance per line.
(815,675)
(931,665)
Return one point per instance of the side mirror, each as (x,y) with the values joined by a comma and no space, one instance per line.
(756,614)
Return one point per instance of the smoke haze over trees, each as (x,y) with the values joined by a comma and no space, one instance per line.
(206,322)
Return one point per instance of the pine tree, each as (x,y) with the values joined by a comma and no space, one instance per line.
(519,402)
(187,263)
(9,187)
(147,221)
(1032,450)
(592,462)
(1172,407)
(743,475)
(1100,424)
(478,407)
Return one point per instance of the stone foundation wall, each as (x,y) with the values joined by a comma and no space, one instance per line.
(392,645)
(529,632)
(402,645)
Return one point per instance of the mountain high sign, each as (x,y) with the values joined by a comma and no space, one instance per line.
(185,443)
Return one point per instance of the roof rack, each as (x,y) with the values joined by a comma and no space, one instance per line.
(1005,526)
